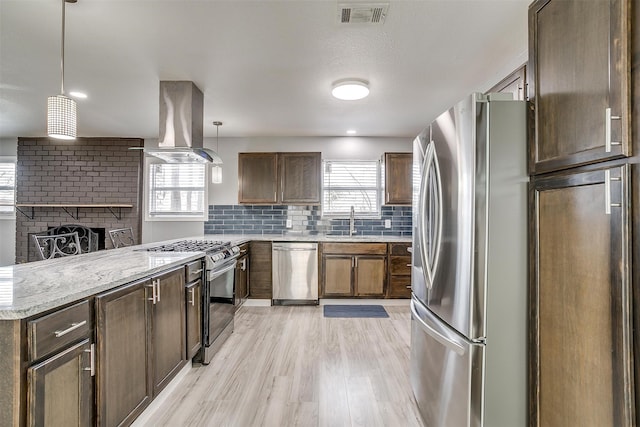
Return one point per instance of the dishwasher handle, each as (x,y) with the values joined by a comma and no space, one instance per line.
(293,249)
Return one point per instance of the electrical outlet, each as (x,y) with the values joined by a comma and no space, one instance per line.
(387,223)
(289,223)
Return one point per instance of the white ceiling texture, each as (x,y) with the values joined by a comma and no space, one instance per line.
(265,67)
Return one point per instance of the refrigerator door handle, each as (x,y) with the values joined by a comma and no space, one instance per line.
(438,332)
(431,186)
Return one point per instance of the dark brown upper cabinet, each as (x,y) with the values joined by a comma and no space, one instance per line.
(279,178)
(398,178)
(514,83)
(579,93)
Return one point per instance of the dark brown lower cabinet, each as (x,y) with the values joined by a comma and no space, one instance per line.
(168,347)
(260,275)
(581,364)
(123,378)
(141,344)
(60,391)
(353,270)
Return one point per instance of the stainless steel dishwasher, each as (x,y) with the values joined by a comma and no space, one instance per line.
(295,273)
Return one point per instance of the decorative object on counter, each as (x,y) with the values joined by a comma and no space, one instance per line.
(376,311)
(216,169)
(61,110)
(57,245)
(122,237)
(350,89)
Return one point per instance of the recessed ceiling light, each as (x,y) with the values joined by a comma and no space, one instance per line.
(351,132)
(350,89)
(80,95)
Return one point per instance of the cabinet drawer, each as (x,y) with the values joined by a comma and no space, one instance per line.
(400,265)
(193,271)
(399,248)
(355,248)
(400,287)
(54,331)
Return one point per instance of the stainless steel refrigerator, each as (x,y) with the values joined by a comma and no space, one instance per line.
(469,265)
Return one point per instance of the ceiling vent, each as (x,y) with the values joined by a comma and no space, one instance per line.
(362,13)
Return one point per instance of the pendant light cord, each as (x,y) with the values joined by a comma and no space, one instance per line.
(62,49)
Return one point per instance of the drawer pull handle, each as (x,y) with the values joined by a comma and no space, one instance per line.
(192,291)
(73,327)
(196,272)
(408,265)
(408,286)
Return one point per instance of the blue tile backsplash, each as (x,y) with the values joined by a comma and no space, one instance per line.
(272,219)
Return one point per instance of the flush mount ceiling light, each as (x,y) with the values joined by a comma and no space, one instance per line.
(216,169)
(350,89)
(61,110)
(351,132)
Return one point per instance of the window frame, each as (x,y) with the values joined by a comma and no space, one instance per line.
(202,216)
(379,190)
(10,160)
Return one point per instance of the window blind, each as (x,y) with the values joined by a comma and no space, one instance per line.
(7,188)
(351,183)
(176,190)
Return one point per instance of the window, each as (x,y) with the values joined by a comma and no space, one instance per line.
(7,188)
(351,183)
(176,191)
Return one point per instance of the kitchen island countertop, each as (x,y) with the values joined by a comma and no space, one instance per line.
(35,287)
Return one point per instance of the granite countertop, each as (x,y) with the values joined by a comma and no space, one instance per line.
(33,288)
(297,237)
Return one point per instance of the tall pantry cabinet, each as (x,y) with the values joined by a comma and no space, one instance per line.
(584,196)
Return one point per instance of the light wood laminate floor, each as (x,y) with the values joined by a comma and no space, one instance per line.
(290,366)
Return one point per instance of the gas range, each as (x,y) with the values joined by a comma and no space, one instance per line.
(216,250)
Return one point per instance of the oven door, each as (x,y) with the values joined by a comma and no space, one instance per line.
(220,282)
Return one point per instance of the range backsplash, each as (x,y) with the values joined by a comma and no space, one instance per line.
(272,219)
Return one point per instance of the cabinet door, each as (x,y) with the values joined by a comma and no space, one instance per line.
(337,275)
(260,276)
(398,178)
(579,90)
(193,296)
(60,389)
(580,356)
(123,377)
(514,83)
(371,275)
(258,178)
(167,330)
(300,176)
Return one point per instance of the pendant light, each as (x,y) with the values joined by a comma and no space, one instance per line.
(216,169)
(61,110)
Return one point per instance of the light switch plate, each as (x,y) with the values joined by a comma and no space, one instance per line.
(289,223)
(387,223)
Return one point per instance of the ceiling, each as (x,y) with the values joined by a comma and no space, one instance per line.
(265,67)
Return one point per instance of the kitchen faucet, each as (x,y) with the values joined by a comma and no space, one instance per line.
(352,222)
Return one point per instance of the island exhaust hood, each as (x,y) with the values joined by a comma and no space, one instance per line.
(181,132)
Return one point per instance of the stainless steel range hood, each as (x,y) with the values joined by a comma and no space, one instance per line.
(181,131)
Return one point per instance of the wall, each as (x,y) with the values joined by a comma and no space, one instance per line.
(8,148)
(226,216)
(84,171)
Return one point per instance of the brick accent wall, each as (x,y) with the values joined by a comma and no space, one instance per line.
(84,171)
(272,220)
